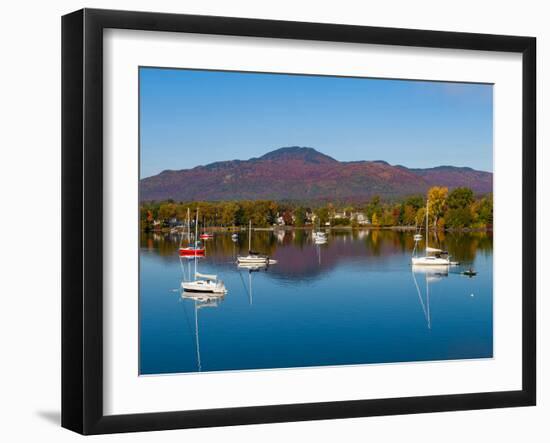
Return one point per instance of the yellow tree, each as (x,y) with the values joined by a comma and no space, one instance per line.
(167,210)
(181,212)
(229,213)
(437,197)
(420,216)
(408,215)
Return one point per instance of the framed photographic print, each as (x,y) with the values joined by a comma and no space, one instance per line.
(270,221)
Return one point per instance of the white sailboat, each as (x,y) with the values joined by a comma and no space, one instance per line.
(205,283)
(252,257)
(433,256)
(208,283)
(319,237)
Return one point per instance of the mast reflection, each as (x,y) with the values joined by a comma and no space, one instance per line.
(251,268)
(432,274)
(201,301)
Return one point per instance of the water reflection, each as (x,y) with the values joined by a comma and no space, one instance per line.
(354,300)
(250,270)
(295,249)
(201,301)
(432,274)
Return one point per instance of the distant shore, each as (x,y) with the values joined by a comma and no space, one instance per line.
(236,229)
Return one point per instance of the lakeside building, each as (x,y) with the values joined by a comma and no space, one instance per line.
(360,218)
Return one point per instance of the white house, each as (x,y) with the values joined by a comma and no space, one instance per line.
(360,218)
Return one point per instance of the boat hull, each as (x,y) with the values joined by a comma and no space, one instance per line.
(430,261)
(201,291)
(252,260)
(202,286)
(191,252)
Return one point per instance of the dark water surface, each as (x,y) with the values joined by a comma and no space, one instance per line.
(354,300)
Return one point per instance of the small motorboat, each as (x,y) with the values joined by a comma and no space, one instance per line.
(469,273)
(234,237)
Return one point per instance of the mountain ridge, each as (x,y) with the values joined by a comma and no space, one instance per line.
(303,173)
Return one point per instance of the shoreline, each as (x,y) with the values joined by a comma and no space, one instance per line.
(229,230)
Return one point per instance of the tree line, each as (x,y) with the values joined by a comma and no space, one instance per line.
(456,209)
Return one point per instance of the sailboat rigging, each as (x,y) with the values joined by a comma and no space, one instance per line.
(253,257)
(319,237)
(434,256)
(203,282)
(191,250)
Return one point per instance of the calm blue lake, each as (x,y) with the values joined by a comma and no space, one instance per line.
(354,300)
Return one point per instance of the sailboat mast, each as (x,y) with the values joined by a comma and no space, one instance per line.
(181,238)
(196,236)
(188,225)
(427,205)
(249,236)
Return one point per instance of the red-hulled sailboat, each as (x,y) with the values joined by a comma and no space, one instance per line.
(193,249)
(206,235)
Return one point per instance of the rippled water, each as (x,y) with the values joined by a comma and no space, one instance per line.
(355,300)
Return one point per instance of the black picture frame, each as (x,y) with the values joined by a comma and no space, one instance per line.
(82,218)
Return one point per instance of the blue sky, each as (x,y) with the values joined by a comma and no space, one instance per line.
(194,117)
